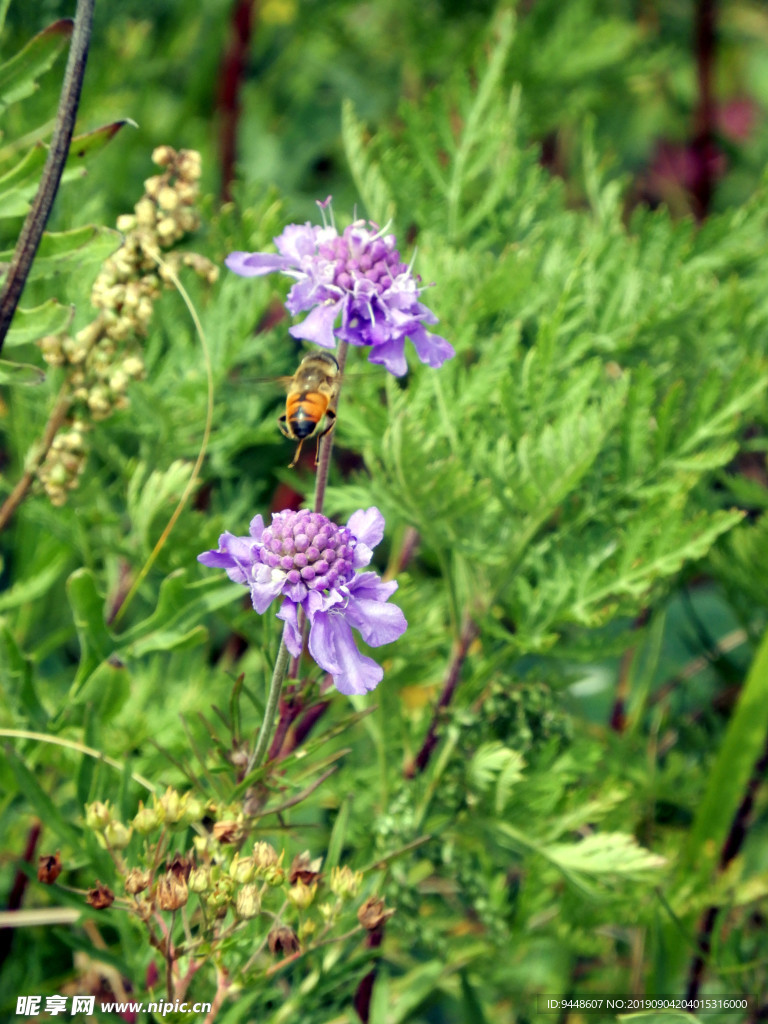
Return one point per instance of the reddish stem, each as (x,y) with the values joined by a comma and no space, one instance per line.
(19,887)
(469,632)
(232,75)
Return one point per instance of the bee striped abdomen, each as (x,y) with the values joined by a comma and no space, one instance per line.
(305,411)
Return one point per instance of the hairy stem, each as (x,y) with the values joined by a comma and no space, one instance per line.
(273,698)
(326,442)
(31,233)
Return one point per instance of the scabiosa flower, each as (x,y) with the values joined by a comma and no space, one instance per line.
(310,562)
(356,276)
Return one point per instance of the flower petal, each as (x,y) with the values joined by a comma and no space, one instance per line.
(333,647)
(297,242)
(431,348)
(318,325)
(235,554)
(369,586)
(256,527)
(265,586)
(367,527)
(256,264)
(390,354)
(378,622)
(291,631)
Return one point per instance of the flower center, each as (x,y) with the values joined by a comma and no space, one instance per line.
(309,549)
(360,255)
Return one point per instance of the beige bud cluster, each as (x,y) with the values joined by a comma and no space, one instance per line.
(64,462)
(105,356)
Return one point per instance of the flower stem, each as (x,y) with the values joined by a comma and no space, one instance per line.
(323,466)
(326,442)
(273,699)
(469,632)
(36,456)
(32,231)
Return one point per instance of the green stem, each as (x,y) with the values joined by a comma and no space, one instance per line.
(269,711)
(326,443)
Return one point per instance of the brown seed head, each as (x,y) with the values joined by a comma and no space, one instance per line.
(304,869)
(136,881)
(283,940)
(49,868)
(171,892)
(373,913)
(100,897)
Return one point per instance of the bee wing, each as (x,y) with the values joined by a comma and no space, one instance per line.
(287,380)
(261,381)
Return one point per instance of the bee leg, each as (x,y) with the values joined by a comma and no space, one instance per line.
(298,453)
(330,416)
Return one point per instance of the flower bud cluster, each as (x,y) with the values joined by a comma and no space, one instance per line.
(223,882)
(60,472)
(105,356)
(307,548)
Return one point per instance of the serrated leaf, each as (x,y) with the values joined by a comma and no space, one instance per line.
(18,76)
(601,854)
(368,178)
(28,325)
(489,760)
(151,492)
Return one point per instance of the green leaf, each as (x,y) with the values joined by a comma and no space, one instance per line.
(68,250)
(20,373)
(493,763)
(339,834)
(107,688)
(370,183)
(739,752)
(19,184)
(45,808)
(35,586)
(472,1009)
(28,325)
(175,621)
(601,854)
(96,643)
(4,5)
(410,990)
(18,681)
(18,76)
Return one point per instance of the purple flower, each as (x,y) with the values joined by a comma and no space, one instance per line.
(356,276)
(310,562)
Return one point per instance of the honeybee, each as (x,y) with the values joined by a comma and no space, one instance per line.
(310,406)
